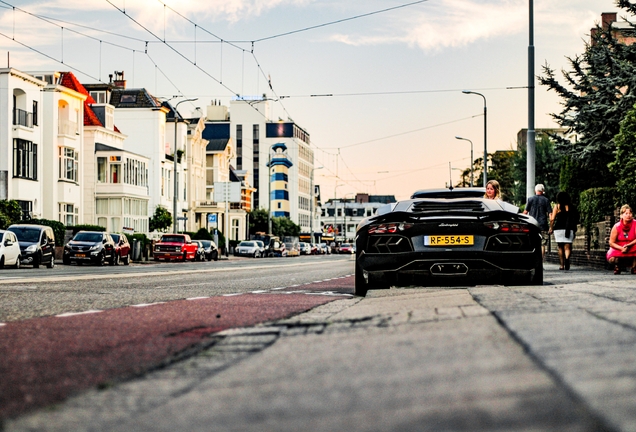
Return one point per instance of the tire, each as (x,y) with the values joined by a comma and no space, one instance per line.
(1,262)
(101,259)
(537,279)
(114,260)
(185,257)
(126,260)
(360,289)
(17,262)
(256,254)
(66,261)
(51,263)
(216,256)
(36,261)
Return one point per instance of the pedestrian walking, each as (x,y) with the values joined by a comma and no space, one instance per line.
(538,206)
(563,223)
(622,241)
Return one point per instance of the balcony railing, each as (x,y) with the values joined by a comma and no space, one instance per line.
(22,118)
(67,127)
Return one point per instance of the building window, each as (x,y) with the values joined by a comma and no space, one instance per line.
(27,209)
(235,229)
(68,164)
(101,170)
(25,159)
(35,113)
(115,173)
(99,96)
(68,214)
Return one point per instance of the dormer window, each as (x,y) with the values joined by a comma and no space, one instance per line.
(128,98)
(99,96)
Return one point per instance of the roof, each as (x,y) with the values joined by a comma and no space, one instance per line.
(218,144)
(69,80)
(133,98)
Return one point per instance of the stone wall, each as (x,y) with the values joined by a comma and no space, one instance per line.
(588,248)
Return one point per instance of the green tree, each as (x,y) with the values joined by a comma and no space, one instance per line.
(624,165)
(547,169)
(10,213)
(258,221)
(161,220)
(599,90)
(283,226)
(500,169)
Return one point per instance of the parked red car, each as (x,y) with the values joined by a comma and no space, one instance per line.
(122,249)
(175,247)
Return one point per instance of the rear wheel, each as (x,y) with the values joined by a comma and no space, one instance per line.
(216,256)
(1,262)
(537,279)
(101,259)
(17,262)
(66,261)
(36,261)
(51,263)
(126,260)
(360,288)
(114,260)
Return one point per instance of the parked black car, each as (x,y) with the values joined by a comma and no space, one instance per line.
(211,251)
(447,237)
(37,244)
(90,247)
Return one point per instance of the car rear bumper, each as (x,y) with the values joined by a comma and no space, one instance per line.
(415,268)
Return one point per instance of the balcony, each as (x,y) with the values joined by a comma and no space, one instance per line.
(22,118)
(68,128)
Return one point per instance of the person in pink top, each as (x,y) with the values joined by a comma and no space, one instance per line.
(622,242)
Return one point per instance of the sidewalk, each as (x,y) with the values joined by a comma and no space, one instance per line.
(398,360)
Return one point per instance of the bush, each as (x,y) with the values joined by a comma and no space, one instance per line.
(596,203)
(10,213)
(86,227)
(202,234)
(58,228)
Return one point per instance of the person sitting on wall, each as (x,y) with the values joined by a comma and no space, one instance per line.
(622,242)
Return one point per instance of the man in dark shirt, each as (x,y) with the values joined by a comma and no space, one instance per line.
(539,208)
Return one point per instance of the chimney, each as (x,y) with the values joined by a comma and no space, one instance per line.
(607,18)
(119,80)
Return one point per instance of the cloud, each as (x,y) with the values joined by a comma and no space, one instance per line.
(450,23)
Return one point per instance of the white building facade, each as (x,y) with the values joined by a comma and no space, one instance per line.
(21,141)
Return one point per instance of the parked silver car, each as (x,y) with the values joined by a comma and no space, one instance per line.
(248,248)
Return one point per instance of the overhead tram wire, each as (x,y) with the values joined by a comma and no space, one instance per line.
(339,21)
(177,51)
(49,57)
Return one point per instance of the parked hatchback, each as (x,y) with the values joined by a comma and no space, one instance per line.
(37,244)
(90,247)
(9,249)
(122,248)
(210,249)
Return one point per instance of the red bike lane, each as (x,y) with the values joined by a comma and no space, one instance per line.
(46,360)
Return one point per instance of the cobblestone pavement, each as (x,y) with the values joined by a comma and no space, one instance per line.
(559,357)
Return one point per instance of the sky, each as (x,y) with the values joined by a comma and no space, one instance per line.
(376,83)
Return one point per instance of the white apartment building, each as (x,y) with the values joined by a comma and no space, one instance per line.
(142,118)
(195,155)
(341,217)
(21,141)
(62,137)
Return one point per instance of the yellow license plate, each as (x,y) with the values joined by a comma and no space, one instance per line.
(80,255)
(449,240)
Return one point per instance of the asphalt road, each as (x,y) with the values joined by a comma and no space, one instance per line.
(560,357)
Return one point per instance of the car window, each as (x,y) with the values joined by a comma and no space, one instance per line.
(247,244)
(115,237)
(206,243)
(25,234)
(88,237)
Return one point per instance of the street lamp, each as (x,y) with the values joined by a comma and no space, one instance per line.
(176,186)
(311,203)
(485,134)
(472,182)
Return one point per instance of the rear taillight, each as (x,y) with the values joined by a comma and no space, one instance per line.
(389,228)
(507,227)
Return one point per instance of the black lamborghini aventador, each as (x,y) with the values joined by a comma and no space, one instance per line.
(447,237)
